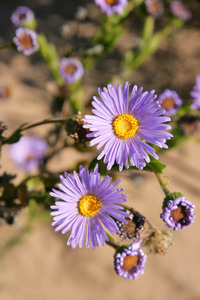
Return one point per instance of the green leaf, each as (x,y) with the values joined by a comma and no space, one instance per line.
(50,56)
(9,194)
(15,136)
(155,165)
(102,166)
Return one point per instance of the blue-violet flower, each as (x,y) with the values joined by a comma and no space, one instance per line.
(195,93)
(71,69)
(88,205)
(170,102)
(125,125)
(180,10)
(22,16)
(26,41)
(28,152)
(111,6)
(154,7)
(178,213)
(130,262)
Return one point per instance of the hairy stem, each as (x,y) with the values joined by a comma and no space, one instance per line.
(162,184)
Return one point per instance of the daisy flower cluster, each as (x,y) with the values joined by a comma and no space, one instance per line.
(128,126)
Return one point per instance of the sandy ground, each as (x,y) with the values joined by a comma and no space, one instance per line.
(39,265)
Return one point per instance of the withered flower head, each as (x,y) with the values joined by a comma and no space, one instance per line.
(74,128)
(158,242)
(131,230)
(189,124)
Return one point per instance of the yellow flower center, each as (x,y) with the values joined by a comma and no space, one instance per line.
(30,157)
(130,262)
(179,213)
(111,2)
(70,69)
(168,103)
(125,126)
(89,205)
(26,41)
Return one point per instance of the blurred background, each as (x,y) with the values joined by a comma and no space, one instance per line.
(35,262)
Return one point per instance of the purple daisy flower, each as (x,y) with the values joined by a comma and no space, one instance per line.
(87,205)
(26,41)
(125,125)
(196,94)
(22,16)
(170,102)
(130,263)
(154,7)
(178,213)
(111,6)
(28,152)
(71,69)
(180,10)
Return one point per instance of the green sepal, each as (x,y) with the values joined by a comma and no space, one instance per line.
(15,136)
(171,196)
(120,249)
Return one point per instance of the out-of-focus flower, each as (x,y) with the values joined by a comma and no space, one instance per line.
(180,10)
(22,16)
(170,102)
(28,152)
(125,125)
(111,6)
(195,93)
(81,13)
(130,262)
(154,7)
(87,205)
(26,41)
(178,213)
(189,124)
(5,91)
(71,69)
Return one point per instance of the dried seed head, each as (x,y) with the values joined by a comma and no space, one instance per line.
(74,128)
(158,242)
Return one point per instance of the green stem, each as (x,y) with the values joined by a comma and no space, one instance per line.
(50,56)
(112,244)
(8,45)
(47,121)
(151,43)
(162,184)
(148,29)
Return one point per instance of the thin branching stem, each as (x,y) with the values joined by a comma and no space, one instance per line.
(162,184)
